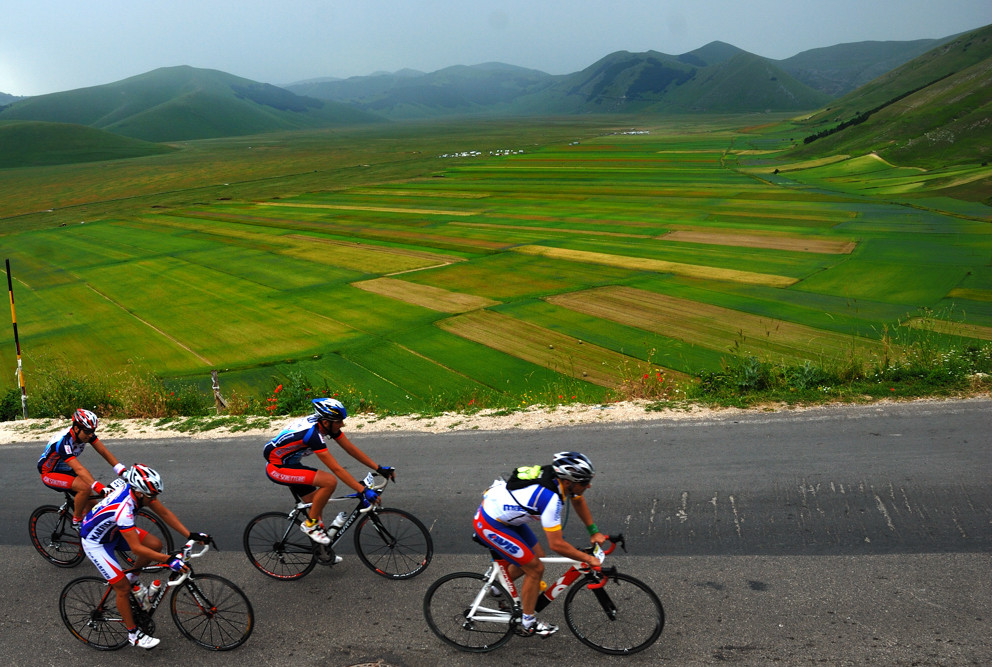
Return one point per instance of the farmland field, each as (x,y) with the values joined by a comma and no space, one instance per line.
(369,259)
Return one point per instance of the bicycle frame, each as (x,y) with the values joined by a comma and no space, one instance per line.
(356,514)
(499,571)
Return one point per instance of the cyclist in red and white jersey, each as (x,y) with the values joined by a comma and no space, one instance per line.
(536,494)
(284,453)
(60,467)
(109,526)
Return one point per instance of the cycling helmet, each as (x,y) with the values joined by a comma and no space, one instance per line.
(84,419)
(573,466)
(329,408)
(144,480)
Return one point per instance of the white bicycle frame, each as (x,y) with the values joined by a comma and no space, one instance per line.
(498,570)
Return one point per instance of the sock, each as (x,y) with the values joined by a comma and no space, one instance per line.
(310,523)
(529,620)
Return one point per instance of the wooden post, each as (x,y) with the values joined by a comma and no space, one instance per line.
(219,401)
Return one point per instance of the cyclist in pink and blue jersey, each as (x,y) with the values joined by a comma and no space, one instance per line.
(305,436)
(60,467)
(109,526)
(536,494)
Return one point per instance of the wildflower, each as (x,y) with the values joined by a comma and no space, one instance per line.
(278,389)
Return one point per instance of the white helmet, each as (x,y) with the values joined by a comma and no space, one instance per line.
(573,466)
(144,480)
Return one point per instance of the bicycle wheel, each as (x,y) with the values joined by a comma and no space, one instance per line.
(88,607)
(623,617)
(446,607)
(150,522)
(212,612)
(277,546)
(54,537)
(393,543)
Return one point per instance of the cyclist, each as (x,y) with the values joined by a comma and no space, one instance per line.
(304,436)
(536,494)
(60,467)
(110,526)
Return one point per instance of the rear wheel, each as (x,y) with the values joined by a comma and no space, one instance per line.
(88,607)
(622,617)
(54,537)
(212,612)
(393,543)
(448,611)
(277,547)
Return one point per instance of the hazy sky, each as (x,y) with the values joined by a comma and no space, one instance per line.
(54,45)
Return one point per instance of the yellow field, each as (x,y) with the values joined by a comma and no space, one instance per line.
(756,240)
(425,296)
(953,328)
(378,209)
(658,265)
(972,294)
(545,347)
(714,327)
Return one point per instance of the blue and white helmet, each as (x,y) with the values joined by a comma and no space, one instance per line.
(329,408)
(573,466)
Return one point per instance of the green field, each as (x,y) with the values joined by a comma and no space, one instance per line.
(252,256)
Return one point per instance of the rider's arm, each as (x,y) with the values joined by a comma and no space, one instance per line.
(102,450)
(558,544)
(167,515)
(80,470)
(338,471)
(139,549)
(355,453)
(582,511)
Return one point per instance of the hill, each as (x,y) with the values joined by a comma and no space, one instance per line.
(35,144)
(933,111)
(6,98)
(839,69)
(180,103)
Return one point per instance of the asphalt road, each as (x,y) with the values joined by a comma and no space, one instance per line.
(854,535)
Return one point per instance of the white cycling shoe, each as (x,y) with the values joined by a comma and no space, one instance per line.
(316,532)
(141,640)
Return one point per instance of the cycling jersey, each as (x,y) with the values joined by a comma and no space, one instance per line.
(519,506)
(110,517)
(62,447)
(301,438)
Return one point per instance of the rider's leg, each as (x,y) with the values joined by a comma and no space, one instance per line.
(325,483)
(83,501)
(151,542)
(530,588)
(123,590)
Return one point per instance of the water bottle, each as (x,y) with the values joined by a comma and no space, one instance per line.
(152,592)
(337,523)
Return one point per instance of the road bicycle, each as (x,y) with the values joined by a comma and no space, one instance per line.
(608,611)
(55,538)
(208,609)
(391,542)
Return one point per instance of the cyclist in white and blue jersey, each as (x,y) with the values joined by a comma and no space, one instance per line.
(109,526)
(536,494)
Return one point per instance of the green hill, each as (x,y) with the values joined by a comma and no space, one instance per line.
(932,112)
(35,144)
(180,103)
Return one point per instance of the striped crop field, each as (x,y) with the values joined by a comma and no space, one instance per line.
(373,258)
(715,327)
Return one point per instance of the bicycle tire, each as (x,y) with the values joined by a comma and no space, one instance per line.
(393,543)
(623,617)
(89,610)
(152,523)
(212,612)
(274,551)
(446,604)
(54,537)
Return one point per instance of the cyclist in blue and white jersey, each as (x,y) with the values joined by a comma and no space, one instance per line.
(536,494)
(110,526)
(284,453)
(60,467)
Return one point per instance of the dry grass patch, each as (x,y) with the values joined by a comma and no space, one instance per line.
(970,294)
(947,327)
(714,327)
(659,266)
(544,347)
(557,230)
(770,241)
(425,296)
(376,209)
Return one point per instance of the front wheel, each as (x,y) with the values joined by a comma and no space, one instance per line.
(212,612)
(152,524)
(461,611)
(393,543)
(277,547)
(54,537)
(623,617)
(88,607)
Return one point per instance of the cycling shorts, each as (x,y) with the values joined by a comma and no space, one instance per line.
(58,481)
(514,543)
(297,477)
(105,558)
